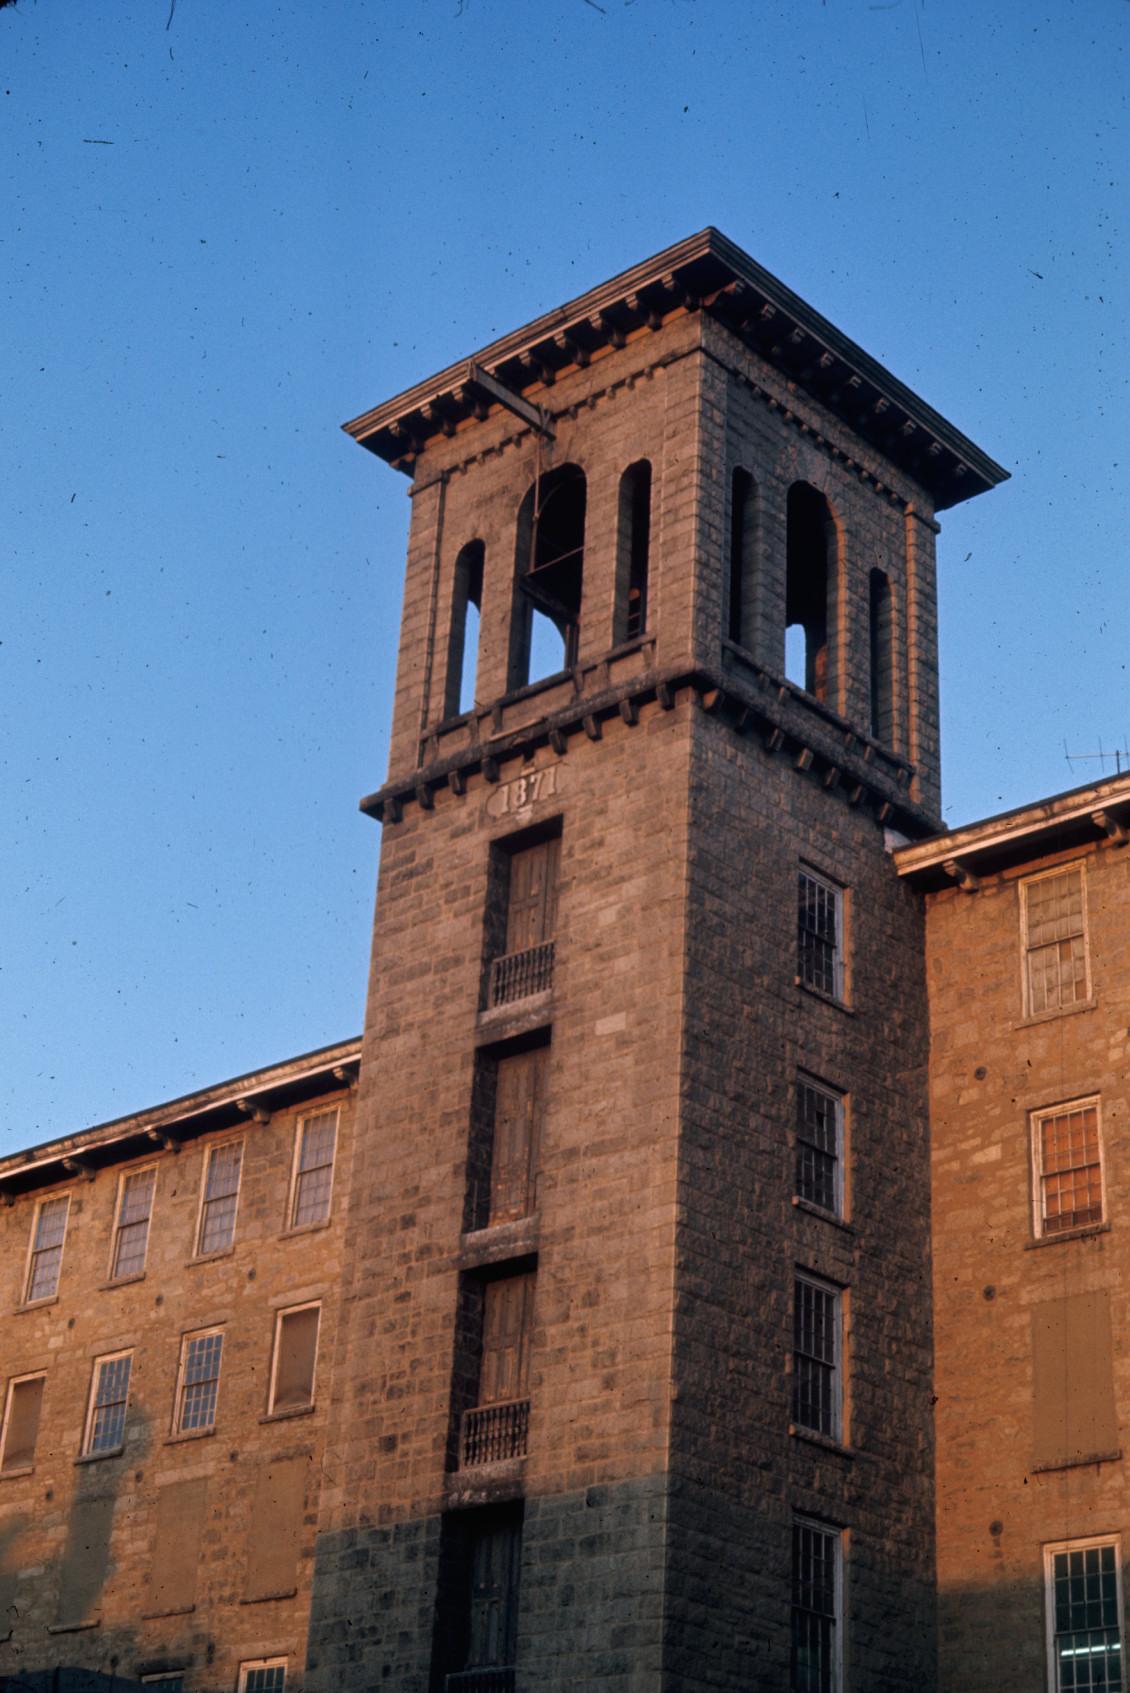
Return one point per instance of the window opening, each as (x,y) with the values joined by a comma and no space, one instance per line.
(47,1248)
(740,615)
(466,605)
(314,1170)
(1067,1151)
(880,721)
(817,1587)
(820,928)
(817,1382)
(819,1134)
(550,566)
(496,1428)
(1055,940)
(496,1555)
(21,1422)
(1084,1611)
(518,1115)
(809,557)
(170,1681)
(633,552)
(526,966)
(135,1207)
(263,1675)
(221,1197)
(296,1351)
(199,1381)
(109,1395)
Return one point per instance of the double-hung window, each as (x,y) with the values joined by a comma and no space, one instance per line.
(1067,1167)
(817,1357)
(109,1396)
(313,1169)
(1084,1616)
(1054,919)
(131,1232)
(198,1387)
(819,1145)
(220,1198)
(296,1352)
(820,934)
(46,1257)
(262,1675)
(817,1607)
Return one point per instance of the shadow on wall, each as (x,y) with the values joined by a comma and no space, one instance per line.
(992,1636)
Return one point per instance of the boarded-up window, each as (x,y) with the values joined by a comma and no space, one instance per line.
(507,1309)
(296,1350)
(21,1423)
(531,916)
(518,1111)
(86,1559)
(276,1529)
(1073,1412)
(176,1547)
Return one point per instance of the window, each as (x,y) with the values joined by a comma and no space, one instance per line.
(496,1554)
(634,541)
(109,1395)
(263,1675)
(199,1384)
(546,621)
(131,1236)
(21,1422)
(296,1351)
(496,1428)
(1054,915)
(526,965)
(741,610)
(881,669)
(817,1608)
(47,1239)
(220,1198)
(819,1145)
(518,1111)
(1084,1616)
(313,1169)
(810,579)
(817,1373)
(463,645)
(820,935)
(167,1681)
(1067,1159)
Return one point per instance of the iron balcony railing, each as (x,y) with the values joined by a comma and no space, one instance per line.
(492,1433)
(517,975)
(481,1681)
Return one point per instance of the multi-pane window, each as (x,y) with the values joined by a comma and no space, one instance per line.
(313,1169)
(819,1145)
(109,1393)
(820,935)
(131,1235)
(296,1351)
(1067,1155)
(817,1371)
(817,1588)
(1055,940)
(221,1196)
(21,1422)
(47,1248)
(1084,1617)
(199,1385)
(263,1675)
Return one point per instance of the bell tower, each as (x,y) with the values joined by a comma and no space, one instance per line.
(633,1384)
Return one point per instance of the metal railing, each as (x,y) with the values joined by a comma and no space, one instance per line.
(491,1433)
(517,975)
(481,1681)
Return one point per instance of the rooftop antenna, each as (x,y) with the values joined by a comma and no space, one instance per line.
(1120,757)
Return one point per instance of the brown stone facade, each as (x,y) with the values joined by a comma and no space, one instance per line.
(169,1290)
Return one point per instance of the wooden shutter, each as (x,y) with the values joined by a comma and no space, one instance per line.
(176,1546)
(1073,1409)
(506,1313)
(519,1104)
(495,1561)
(294,1363)
(26,1398)
(532,907)
(276,1528)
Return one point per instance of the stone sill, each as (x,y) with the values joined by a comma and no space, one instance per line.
(498,1242)
(1087,1232)
(17,1470)
(287,1415)
(97,1457)
(305,1228)
(209,1257)
(189,1434)
(120,1281)
(267,1598)
(827,1444)
(74,1627)
(811,1209)
(35,1305)
(1077,1463)
(826,998)
(1039,1017)
(517,1017)
(485,1484)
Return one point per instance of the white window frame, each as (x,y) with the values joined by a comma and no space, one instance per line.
(838,1296)
(291,1311)
(1036,1120)
(835,1534)
(88,1427)
(839,990)
(838,1100)
(299,1136)
(130,1275)
(1080,865)
(178,1403)
(29,1265)
(1051,1551)
(201,1211)
(260,1663)
(9,1395)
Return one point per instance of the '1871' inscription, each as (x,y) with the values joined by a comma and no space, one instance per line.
(526,789)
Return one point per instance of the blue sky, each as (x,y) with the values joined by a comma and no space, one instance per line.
(226,229)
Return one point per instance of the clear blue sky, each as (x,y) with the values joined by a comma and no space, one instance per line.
(226,232)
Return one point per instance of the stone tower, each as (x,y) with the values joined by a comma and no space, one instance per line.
(633,1385)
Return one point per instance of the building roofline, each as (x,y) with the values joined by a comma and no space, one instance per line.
(191,1113)
(1081,814)
(706,271)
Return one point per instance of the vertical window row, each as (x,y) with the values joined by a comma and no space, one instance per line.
(220,1198)
(817,1607)
(49,1232)
(817,1357)
(131,1232)
(820,935)
(313,1169)
(820,1145)
(109,1396)
(198,1381)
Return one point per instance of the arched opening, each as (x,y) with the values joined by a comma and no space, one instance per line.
(809,577)
(463,648)
(740,610)
(633,548)
(546,623)
(882,672)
